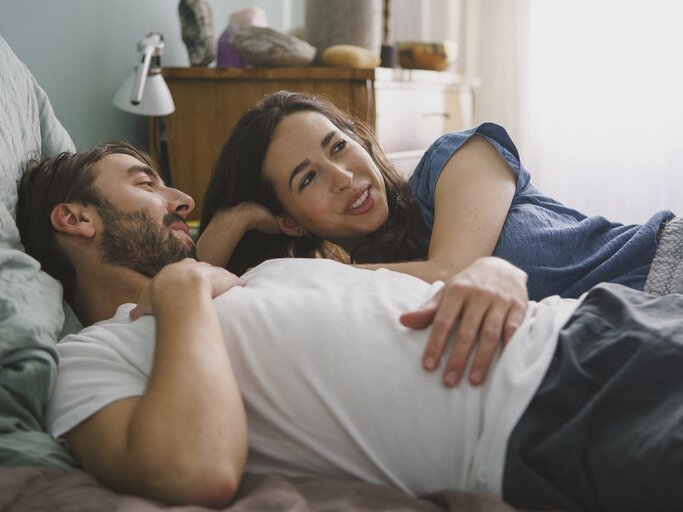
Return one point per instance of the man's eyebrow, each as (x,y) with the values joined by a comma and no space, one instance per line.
(299,168)
(134,169)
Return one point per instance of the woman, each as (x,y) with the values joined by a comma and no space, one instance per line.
(300,178)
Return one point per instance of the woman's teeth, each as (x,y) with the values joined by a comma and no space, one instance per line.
(360,200)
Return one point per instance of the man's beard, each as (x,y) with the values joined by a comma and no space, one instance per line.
(136,241)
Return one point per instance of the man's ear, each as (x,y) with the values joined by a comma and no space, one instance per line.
(290,227)
(73,219)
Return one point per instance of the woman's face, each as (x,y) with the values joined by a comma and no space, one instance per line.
(325,180)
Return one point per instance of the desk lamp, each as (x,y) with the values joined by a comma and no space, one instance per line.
(144,92)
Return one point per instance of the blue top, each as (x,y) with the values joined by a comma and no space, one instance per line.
(563,251)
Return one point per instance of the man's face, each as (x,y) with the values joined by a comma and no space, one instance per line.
(143,221)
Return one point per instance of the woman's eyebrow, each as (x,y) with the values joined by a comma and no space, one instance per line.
(326,139)
(299,168)
(304,163)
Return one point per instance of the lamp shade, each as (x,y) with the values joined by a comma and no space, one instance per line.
(156,98)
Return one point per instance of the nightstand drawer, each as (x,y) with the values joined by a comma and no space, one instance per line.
(411,116)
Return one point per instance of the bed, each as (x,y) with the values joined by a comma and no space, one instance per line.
(36,472)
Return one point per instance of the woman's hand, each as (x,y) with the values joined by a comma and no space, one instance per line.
(488,300)
(227,227)
(175,278)
(259,218)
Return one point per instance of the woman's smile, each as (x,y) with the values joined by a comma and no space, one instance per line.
(362,202)
(325,179)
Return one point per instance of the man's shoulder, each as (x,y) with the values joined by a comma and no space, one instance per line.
(117,334)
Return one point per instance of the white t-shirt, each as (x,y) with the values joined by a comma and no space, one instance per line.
(332,383)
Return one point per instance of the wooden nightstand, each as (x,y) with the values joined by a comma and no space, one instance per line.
(408,108)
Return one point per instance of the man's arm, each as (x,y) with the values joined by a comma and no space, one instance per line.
(185,440)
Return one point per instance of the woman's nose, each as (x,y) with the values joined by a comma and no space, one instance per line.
(341,178)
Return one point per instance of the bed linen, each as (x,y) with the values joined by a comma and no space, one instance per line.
(39,488)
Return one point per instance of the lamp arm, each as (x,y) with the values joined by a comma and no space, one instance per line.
(141,71)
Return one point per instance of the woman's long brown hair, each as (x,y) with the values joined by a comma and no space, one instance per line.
(238,176)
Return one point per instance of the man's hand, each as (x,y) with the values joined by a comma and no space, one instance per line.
(187,272)
(488,300)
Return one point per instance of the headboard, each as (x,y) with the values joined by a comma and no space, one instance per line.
(31,312)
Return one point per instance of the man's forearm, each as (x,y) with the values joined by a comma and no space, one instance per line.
(185,439)
(190,425)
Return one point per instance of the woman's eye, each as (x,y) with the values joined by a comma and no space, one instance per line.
(339,146)
(307,179)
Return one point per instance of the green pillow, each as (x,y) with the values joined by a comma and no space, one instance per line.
(31,313)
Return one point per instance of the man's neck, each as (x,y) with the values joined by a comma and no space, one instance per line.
(96,298)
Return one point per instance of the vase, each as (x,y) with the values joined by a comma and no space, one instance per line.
(354,22)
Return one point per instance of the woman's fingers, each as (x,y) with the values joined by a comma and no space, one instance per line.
(514,319)
(478,310)
(447,312)
(424,316)
(490,336)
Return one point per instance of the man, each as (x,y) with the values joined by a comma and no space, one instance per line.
(128,444)
(327,374)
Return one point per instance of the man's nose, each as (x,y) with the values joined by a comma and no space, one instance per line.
(180,202)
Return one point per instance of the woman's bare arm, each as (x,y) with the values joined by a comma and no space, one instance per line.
(227,227)
(487,297)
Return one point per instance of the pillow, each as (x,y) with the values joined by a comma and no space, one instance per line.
(31,312)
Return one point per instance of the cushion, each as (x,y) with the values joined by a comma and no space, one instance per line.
(31,312)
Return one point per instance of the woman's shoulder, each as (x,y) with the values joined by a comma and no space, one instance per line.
(448,143)
(499,135)
(440,151)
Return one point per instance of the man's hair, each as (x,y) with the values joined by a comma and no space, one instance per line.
(65,178)
(239,175)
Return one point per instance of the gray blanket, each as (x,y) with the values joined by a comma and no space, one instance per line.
(38,489)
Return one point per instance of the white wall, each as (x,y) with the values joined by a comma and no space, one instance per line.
(81,50)
(604,115)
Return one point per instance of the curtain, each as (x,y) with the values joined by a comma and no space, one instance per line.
(590,91)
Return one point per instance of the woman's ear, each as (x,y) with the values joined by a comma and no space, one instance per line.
(290,227)
(73,219)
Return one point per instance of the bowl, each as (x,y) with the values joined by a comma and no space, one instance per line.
(435,56)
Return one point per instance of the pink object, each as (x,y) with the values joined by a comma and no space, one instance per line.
(228,56)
